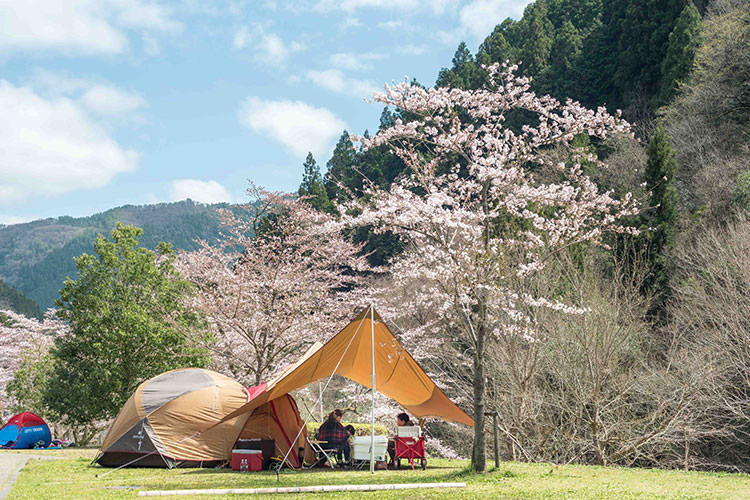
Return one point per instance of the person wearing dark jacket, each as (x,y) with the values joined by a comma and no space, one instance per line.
(336,436)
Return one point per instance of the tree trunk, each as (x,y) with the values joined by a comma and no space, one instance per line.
(478,454)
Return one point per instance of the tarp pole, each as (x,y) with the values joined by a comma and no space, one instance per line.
(372,414)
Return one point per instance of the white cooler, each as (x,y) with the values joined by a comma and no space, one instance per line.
(362,448)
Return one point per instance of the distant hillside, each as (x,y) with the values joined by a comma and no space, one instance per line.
(12,299)
(36,257)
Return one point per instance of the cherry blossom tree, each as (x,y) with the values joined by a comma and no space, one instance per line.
(19,334)
(282,277)
(494,188)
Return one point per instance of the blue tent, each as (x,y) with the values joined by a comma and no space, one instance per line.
(24,431)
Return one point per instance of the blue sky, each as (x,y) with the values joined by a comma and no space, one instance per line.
(113,102)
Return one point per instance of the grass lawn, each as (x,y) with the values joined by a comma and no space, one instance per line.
(71,477)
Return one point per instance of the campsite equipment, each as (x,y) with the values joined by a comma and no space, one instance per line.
(247,460)
(362,448)
(366,352)
(25,430)
(177,419)
(279,421)
(410,448)
(408,431)
(194,416)
(267,447)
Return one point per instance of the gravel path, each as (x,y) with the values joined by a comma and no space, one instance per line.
(10,466)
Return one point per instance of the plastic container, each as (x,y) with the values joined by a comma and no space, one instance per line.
(247,460)
(362,448)
(409,431)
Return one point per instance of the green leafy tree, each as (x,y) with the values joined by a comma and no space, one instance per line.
(661,220)
(29,384)
(313,187)
(127,324)
(684,41)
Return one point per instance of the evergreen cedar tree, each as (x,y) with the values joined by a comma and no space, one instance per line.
(592,51)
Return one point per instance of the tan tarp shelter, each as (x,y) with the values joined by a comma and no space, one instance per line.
(177,419)
(349,354)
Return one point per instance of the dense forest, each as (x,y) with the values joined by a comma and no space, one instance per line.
(668,345)
(12,299)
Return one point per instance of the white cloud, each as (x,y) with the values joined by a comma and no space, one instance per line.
(391,25)
(412,50)
(197,190)
(52,146)
(139,14)
(100,97)
(336,81)
(480,17)
(79,26)
(269,48)
(7,220)
(298,126)
(437,6)
(348,60)
(351,22)
(110,100)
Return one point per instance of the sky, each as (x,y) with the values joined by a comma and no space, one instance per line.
(113,102)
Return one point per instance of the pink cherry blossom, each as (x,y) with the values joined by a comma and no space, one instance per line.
(280,279)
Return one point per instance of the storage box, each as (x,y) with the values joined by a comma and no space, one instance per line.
(267,446)
(409,431)
(247,460)
(362,448)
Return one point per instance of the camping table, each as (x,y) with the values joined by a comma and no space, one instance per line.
(317,448)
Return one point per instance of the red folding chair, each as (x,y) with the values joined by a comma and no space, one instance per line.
(409,448)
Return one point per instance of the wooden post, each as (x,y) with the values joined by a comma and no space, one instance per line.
(372,414)
(493,414)
(497,448)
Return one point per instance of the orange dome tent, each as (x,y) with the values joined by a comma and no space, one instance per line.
(175,419)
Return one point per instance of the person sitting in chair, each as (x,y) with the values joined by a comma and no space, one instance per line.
(336,436)
(402,420)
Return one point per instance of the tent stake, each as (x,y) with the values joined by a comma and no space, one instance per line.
(372,414)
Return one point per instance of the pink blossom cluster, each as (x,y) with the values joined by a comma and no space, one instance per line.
(279,279)
(19,334)
(484,203)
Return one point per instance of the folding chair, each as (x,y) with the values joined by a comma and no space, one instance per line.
(410,448)
(322,453)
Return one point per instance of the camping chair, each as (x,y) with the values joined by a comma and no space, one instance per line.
(409,444)
(323,452)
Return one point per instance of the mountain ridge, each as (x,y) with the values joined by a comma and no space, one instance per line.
(36,256)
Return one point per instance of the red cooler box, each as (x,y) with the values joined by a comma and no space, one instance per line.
(246,460)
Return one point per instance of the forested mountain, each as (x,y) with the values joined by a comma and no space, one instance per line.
(12,299)
(627,54)
(36,257)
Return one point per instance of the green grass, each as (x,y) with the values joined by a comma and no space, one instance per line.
(71,477)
